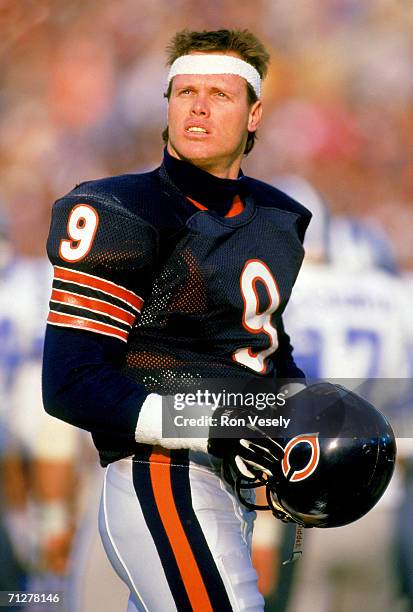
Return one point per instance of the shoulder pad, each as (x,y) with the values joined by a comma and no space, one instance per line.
(269,196)
(144,195)
(127,191)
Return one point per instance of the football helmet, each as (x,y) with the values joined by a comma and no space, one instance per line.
(361,246)
(336,464)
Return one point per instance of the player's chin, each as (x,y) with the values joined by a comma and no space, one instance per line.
(198,149)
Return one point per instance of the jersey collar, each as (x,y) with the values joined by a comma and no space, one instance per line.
(213,193)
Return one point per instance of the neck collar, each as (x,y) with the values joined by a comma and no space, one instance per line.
(215,193)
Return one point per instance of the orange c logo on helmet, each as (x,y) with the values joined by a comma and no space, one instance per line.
(307,470)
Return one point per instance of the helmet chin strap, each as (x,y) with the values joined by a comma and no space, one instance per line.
(278,511)
(298,545)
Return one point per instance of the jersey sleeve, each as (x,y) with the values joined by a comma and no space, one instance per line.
(103,257)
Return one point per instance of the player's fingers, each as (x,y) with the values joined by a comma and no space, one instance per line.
(258,462)
(258,467)
(265,439)
(255,449)
(241,467)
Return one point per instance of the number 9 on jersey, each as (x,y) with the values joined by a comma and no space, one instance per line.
(81,228)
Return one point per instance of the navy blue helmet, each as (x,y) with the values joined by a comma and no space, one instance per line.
(336,463)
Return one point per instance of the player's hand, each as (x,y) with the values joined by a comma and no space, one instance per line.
(248,449)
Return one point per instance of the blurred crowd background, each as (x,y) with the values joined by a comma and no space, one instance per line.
(81,97)
(81,86)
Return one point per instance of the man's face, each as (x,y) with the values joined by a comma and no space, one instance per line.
(208,121)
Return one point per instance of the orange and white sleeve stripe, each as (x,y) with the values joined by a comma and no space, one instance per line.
(83,301)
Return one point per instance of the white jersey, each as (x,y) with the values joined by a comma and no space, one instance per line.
(9,353)
(348,325)
(8,356)
(408,282)
(24,294)
(24,298)
(28,291)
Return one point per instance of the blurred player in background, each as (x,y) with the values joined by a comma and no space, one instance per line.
(38,452)
(348,322)
(12,573)
(355,245)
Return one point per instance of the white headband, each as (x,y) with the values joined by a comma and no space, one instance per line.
(213,63)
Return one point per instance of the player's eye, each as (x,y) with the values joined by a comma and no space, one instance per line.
(221,94)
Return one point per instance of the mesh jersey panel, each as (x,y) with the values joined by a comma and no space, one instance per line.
(186,267)
(192,321)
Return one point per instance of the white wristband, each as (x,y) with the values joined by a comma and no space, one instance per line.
(149,428)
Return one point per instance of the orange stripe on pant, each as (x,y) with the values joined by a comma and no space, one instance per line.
(160,466)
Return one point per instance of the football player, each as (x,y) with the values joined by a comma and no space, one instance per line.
(38,462)
(176,277)
(11,576)
(154,283)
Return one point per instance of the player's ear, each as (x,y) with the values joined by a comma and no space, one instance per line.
(255,115)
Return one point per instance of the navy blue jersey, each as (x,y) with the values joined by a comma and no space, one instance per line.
(149,291)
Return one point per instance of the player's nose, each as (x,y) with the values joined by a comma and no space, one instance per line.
(200,106)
